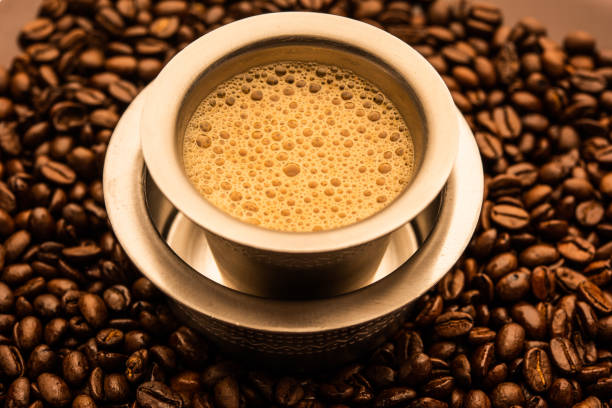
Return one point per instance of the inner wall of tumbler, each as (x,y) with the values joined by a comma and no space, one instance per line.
(318,50)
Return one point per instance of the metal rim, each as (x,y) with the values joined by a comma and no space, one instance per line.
(161,111)
(125,203)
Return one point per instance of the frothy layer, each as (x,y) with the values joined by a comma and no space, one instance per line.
(298,147)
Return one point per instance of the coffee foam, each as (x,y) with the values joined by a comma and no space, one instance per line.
(298,147)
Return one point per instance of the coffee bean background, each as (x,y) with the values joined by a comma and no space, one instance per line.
(523,320)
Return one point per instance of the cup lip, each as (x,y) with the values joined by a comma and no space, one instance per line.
(163,102)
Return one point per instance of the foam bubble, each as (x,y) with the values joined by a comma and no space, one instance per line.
(299,147)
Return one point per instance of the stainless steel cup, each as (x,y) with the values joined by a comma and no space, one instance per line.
(281,264)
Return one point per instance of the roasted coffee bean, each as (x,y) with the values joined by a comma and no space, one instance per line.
(81,253)
(116,388)
(95,384)
(509,341)
(104,118)
(506,395)
(121,64)
(136,365)
(539,254)
(586,319)
(109,338)
(564,355)
(442,350)
(559,326)
(58,173)
(75,368)
(90,96)
(587,81)
(569,279)
(110,20)
(501,264)
(542,283)
(164,356)
(496,375)
(477,398)
(27,333)
(83,401)
(93,309)
(595,296)
(537,370)
(42,359)
(11,361)
(513,286)
(47,305)
(155,394)
(509,216)
(394,396)
(430,311)
(18,394)
(561,393)
(6,322)
(123,91)
(148,68)
(452,284)
(453,324)
(589,213)
(38,29)
(439,387)
(43,52)
(164,27)
(462,370)
(590,402)
(66,116)
(592,373)
(53,390)
(6,298)
(491,148)
(579,42)
(482,359)
(16,244)
(189,346)
(135,340)
(41,223)
(427,402)
(416,369)
(527,316)
(17,274)
(576,249)
(479,335)
(144,289)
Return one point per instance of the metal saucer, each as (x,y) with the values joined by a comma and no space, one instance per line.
(309,333)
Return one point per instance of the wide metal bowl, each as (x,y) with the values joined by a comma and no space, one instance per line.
(286,264)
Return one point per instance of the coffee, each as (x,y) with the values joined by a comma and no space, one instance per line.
(298,147)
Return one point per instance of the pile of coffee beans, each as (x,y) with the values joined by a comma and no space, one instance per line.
(523,320)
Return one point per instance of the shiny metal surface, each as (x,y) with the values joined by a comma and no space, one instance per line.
(309,333)
(288,264)
(190,243)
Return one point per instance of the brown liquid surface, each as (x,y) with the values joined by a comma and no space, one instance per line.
(298,147)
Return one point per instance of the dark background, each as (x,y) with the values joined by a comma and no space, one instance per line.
(560,16)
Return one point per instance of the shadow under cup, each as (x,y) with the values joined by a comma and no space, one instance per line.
(303,275)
